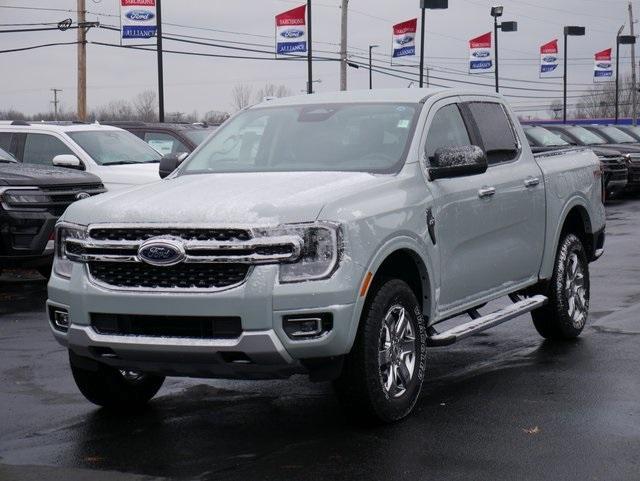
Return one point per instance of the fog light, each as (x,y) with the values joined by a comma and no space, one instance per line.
(307,326)
(59,318)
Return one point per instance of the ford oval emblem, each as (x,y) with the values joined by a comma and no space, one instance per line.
(405,40)
(161,252)
(82,195)
(482,54)
(292,33)
(604,65)
(550,59)
(139,15)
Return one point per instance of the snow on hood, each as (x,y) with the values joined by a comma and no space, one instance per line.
(117,176)
(237,198)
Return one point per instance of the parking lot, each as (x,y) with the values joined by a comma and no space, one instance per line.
(503,405)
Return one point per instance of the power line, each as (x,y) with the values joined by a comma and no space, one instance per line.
(33,47)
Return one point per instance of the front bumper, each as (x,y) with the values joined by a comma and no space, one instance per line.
(25,238)
(633,181)
(263,350)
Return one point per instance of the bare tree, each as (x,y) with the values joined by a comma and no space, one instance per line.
(215,117)
(146,105)
(273,90)
(600,101)
(114,110)
(241,96)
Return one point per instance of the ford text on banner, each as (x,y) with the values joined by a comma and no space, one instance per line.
(549,60)
(404,38)
(480,54)
(138,19)
(291,31)
(603,68)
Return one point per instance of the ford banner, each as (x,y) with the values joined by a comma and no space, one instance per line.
(603,68)
(480,54)
(138,19)
(549,60)
(291,31)
(404,38)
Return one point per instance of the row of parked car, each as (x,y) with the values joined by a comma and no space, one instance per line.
(617,147)
(44,167)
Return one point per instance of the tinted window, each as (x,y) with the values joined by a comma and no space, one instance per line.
(5,140)
(497,135)
(319,137)
(165,143)
(42,148)
(447,130)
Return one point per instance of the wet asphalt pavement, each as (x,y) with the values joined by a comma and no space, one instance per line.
(502,405)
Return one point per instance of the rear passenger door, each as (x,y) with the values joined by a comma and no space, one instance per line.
(515,240)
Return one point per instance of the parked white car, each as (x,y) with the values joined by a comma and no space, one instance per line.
(117,157)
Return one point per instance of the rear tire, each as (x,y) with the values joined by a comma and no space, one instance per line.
(566,313)
(382,376)
(114,388)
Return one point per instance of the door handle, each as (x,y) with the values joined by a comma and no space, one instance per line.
(486,192)
(531,182)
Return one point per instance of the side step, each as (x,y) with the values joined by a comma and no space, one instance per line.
(483,323)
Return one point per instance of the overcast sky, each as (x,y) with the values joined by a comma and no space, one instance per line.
(205,83)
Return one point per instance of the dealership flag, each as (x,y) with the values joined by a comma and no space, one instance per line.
(480,54)
(138,20)
(404,38)
(603,69)
(291,31)
(549,60)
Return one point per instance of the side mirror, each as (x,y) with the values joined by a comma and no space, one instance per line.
(170,162)
(457,162)
(67,160)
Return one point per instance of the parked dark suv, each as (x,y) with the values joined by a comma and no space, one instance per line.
(169,138)
(614,168)
(32,197)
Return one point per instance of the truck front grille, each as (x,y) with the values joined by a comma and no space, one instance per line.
(53,199)
(182,276)
(189,327)
(142,234)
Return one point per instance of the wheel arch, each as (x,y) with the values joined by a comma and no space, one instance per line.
(574,218)
(399,258)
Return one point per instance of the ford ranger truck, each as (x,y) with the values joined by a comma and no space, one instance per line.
(329,234)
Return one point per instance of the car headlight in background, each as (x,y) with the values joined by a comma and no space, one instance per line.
(320,251)
(31,198)
(62,264)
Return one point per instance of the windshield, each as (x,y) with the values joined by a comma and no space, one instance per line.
(617,135)
(633,130)
(199,135)
(544,138)
(6,156)
(336,137)
(585,136)
(115,147)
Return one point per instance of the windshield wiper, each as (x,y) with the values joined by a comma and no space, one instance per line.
(121,162)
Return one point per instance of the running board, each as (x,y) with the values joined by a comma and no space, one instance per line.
(483,323)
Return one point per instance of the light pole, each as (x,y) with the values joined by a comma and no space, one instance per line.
(569,31)
(431,5)
(496,12)
(309,50)
(371,47)
(620,40)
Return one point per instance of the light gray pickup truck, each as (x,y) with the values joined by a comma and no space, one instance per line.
(332,235)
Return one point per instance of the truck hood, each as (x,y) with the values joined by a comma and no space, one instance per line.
(19,174)
(120,176)
(236,198)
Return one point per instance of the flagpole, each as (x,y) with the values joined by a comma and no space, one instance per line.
(309,51)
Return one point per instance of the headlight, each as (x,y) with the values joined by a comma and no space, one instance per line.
(62,265)
(320,252)
(26,198)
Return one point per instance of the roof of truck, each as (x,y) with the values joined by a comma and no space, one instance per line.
(406,95)
(54,127)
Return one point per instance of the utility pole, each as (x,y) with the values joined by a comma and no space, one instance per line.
(82,63)
(55,103)
(423,8)
(344,25)
(160,67)
(634,95)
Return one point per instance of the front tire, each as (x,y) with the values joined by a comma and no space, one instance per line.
(382,376)
(566,313)
(114,388)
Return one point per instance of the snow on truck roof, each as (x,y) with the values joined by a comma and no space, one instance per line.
(406,95)
(56,127)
